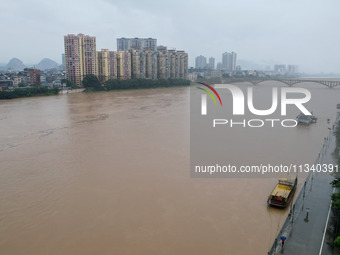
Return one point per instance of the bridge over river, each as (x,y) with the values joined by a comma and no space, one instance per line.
(289,82)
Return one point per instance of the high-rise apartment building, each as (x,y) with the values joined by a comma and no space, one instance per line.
(229,61)
(89,54)
(211,63)
(136,44)
(123,65)
(201,62)
(80,57)
(103,65)
(173,64)
(162,47)
(113,64)
(107,65)
(137,63)
(183,64)
(163,64)
(73,59)
(151,64)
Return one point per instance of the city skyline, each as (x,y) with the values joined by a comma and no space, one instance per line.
(285,31)
(135,58)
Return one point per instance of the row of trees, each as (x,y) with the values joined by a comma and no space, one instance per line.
(336,195)
(28,92)
(92,82)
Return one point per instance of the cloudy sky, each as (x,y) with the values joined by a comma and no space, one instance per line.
(303,32)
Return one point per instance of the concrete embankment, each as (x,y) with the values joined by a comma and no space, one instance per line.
(304,228)
(69,91)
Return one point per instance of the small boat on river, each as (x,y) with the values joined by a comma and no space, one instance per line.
(283,192)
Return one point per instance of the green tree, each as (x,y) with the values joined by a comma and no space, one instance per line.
(91,81)
(69,83)
(143,83)
(337,241)
(28,92)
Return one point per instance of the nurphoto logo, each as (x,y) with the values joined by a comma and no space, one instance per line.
(238,105)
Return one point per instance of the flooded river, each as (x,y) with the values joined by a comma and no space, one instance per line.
(108,173)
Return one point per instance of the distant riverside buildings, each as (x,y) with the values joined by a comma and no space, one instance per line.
(135,58)
(201,62)
(204,69)
(229,61)
(292,69)
(286,70)
(280,69)
(211,63)
(136,44)
(29,77)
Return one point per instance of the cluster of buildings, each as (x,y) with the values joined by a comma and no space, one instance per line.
(228,62)
(201,63)
(29,77)
(205,68)
(134,58)
(286,70)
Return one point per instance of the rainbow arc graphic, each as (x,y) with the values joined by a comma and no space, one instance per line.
(209,93)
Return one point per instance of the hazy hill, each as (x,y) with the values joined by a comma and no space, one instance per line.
(15,65)
(46,63)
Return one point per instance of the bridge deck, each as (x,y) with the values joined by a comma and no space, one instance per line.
(289,82)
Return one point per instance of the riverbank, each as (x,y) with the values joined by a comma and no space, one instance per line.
(91,83)
(28,92)
(305,226)
(70,91)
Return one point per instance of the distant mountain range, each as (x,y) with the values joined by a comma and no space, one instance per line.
(16,64)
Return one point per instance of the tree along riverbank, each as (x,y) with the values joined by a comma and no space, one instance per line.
(92,83)
(28,92)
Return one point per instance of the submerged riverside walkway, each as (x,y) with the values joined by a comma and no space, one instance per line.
(306,225)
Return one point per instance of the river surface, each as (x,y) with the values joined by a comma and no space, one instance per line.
(108,173)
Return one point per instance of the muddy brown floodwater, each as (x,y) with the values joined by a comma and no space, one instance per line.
(108,173)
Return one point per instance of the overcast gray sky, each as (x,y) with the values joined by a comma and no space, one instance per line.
(303,32)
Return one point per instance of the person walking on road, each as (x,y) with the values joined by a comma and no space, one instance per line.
(283,238)
(307,210)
